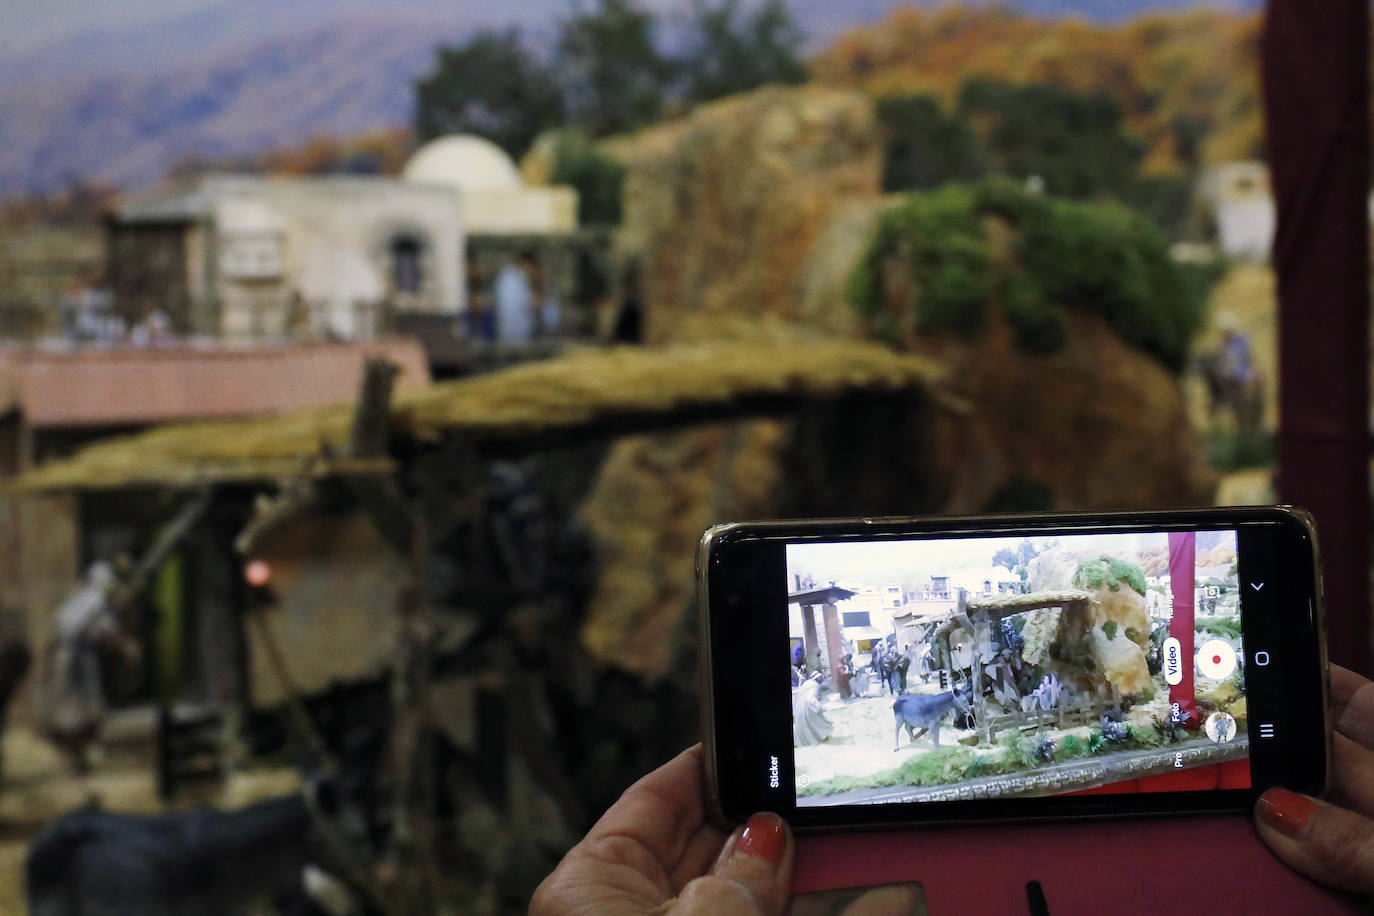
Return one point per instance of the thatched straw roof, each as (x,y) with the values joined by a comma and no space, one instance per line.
(1003,605)
(600,392)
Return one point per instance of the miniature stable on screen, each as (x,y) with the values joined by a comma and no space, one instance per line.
(1054,666)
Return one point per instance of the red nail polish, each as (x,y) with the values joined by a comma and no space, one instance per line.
(1285,811)
(764,838)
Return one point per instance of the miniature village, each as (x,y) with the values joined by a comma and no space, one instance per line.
(262,433)
(1043,678)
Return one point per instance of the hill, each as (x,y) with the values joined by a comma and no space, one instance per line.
(121,96)
(338,80)
(1187,83)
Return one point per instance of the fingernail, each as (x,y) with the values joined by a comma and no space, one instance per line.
(763,838)
(1285,811)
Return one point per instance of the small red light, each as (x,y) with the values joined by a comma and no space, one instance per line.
(258,573)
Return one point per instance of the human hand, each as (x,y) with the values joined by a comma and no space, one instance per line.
(1332,841)
(654,851)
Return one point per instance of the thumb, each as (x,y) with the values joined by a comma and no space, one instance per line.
(1326,843)
(752,875)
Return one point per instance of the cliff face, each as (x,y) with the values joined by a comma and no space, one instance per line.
(746,218)
(1097,425)
(723,209)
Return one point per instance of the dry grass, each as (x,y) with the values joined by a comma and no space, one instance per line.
(12,877)
(1030,601)
(591,385)
(565,393)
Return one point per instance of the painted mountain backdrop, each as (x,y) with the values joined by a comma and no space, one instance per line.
(118,92)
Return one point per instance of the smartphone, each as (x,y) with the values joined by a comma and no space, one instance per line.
(883,671)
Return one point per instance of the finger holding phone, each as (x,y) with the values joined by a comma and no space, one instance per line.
(1332,841)
(654,851)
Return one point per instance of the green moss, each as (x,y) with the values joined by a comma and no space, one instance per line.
(936,768)
(1148,737)
(937,238)
(1037,325)
(597,178)
(1073,747)
(1111,572)
(1110,628)
(940,766)
(1133,634)
(1099,258)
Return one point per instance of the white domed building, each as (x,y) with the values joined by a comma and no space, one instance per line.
(251,257)
(494,199)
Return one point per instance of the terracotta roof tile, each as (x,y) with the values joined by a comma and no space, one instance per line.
(160,384)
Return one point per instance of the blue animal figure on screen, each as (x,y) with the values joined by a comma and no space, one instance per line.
(920,714)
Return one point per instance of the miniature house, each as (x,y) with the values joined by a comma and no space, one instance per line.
(251,257)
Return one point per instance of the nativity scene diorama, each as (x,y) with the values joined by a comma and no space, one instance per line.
(933,670)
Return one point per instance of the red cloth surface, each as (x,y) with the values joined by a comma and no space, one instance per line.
(1118,867)
(1316,105)
(1182,575)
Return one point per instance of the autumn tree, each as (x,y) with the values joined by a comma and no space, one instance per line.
(490,85)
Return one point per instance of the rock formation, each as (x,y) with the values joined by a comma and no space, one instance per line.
(1118,629)
(722,209)
(745,217)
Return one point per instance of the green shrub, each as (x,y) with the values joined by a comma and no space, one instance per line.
(597,178)
(1101,258)
(1146,738)
(924,147)
(1076,144)
(1111,572)
(1098,258)
(938,239)
(1037,326)
(953,299)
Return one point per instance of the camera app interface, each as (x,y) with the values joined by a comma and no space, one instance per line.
(940,669)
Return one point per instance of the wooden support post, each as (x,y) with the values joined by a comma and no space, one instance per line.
(834,648)
(169,538)
(811,643)
(413,830)
(371,417)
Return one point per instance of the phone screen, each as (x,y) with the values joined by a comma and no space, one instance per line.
(927,670)
(1088,668)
